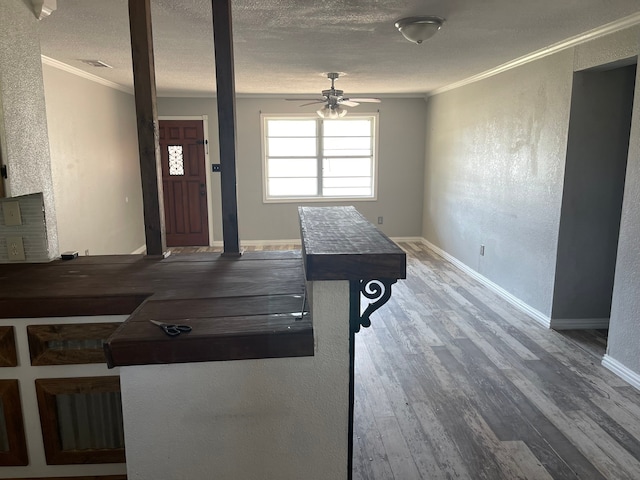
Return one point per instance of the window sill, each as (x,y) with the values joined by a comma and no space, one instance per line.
(298,200)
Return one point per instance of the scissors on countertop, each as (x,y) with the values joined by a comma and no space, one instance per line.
(171,329)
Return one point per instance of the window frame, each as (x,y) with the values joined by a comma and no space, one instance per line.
(373,116)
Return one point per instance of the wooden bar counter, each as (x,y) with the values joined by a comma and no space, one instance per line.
(239,307)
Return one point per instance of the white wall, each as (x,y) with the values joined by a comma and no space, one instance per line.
(268,419)
(494,175)
(400,167)
(95,166)
(23,124)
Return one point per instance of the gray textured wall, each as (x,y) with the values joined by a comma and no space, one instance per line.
(400,166)
(494,170)
(23,119)
(596,162)
(494,175)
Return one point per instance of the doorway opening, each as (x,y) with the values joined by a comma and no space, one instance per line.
(184,182)
(597,151)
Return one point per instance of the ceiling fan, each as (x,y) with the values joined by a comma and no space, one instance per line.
(334,100)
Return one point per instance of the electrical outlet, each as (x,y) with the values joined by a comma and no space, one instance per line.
(15,249)
(380,220)
(11,212)
(482,250)
(86,253)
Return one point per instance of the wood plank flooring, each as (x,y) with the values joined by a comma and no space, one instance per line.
(452,382)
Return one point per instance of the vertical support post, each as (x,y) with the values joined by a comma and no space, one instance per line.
(226,95)
(354,326)
(144,80)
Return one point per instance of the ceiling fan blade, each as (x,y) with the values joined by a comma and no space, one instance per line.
(312,103)
(349,103)
(304,99)
(364,100)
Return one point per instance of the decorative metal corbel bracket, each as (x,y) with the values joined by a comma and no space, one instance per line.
(377,292)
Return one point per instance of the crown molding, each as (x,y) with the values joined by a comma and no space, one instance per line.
(81,73)
(609,28)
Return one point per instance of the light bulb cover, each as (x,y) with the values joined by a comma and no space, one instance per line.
(332,112)
(419,29)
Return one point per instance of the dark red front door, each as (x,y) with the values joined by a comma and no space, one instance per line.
(184,182)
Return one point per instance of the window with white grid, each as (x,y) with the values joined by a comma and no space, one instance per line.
(311,158)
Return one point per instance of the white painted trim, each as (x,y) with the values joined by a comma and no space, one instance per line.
(279,96)
(139,250)
(607,29)
(407,239)
(375,119)
(207,164)
(620,370)
(297,242)
(86,75)
(262,243)
(579,323)
(536,315)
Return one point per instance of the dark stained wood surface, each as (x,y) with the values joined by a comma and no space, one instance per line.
(46,391)
(338,243)
(185,192)
(453,382)
(68,344)
(144,82)
(226,94)
(13,420)
(8,355)
(239,307)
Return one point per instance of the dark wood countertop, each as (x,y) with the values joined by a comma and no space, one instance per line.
(239,307)
(338,243)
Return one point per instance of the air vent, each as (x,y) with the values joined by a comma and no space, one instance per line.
(96,63)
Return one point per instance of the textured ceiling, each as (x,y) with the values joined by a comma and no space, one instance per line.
(283,46)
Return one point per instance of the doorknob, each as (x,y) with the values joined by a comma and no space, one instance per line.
(203,191)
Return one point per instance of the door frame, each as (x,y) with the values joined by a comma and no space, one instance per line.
(207,163)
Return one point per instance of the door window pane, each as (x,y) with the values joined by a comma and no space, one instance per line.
(176,160)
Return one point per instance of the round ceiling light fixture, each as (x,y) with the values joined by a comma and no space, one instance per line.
(419,29)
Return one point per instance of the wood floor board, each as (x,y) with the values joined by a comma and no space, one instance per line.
(576,447)
(369,379)
(603,451)
(448,460)
(629,393)
(509,413)
(472,388)
(373,462)
(527,462)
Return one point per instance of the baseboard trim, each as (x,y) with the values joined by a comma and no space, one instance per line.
(579,323)
(260,243)
(407,239)
(620,370)
(296,242)
(536,315)
(139,250)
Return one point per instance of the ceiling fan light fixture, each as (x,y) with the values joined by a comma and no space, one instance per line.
(419,29)
(332,112)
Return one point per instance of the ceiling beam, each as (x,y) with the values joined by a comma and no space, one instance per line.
(225,88)
(144,83)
